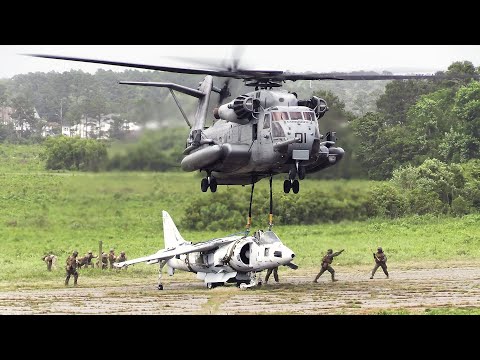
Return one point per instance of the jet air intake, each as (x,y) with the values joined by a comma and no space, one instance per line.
(239,111)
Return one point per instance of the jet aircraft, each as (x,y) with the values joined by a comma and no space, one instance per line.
(234,258)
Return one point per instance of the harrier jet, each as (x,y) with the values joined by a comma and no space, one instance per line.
(231,259)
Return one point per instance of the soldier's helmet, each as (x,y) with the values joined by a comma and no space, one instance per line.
(111,250)
(122,253)
(75,253)
(329,251)
(380,249)
(90,252)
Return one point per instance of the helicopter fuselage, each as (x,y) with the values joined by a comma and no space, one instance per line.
(280,135)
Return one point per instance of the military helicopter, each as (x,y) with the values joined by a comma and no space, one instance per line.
(258,134)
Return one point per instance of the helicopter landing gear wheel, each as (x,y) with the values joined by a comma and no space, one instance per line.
(295,186)
(301,172)
(160,287)
(287,185)
(213,184)
(204,185)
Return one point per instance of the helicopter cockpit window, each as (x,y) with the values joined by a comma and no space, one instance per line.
(266,121)
(297,115)
(268,237)
(280,116)
(308,116)
(277,130)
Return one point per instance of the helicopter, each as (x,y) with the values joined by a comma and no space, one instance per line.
(258,134)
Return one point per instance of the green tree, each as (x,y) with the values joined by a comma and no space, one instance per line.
(23,115)
(398,97)
(338,119)
(467,107)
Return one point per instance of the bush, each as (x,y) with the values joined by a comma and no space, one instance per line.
(421,202)
(155,151)
(461,207)
(387,201)
(64,153)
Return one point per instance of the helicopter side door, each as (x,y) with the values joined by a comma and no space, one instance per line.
(265,138)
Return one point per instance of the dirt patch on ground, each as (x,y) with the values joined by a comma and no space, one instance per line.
(354,293)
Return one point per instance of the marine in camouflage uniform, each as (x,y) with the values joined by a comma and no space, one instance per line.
(326,261)
(122,257)
(103,260)
(275,274)
(82,261)
(49,261)
(89,258)
(111,258)
(71,268)
(380,261)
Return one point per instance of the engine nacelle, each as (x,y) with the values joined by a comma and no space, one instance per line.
(317,104)
(239,110)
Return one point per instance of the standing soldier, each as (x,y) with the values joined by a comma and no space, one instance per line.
(380,261)
(111,258)
(89,258)
(72,268)
(326,261)
(275,274)
(49,259)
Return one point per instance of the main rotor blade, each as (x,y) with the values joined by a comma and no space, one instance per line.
(343,76)
(237,54)
(242,74)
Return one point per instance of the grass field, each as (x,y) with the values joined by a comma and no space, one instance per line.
(61,211)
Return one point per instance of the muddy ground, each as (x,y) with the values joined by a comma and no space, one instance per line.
(354,293)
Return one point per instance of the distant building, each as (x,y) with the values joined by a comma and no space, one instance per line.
(92,128)
(85,128)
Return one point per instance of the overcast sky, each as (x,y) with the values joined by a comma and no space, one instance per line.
(299,58)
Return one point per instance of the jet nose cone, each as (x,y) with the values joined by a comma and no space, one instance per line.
(288,255)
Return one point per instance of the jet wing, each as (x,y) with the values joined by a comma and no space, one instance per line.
(183,248)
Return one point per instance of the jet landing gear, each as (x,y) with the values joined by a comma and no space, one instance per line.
(253,281)
(209,182)
(292,183)
(214,285)
(162,264)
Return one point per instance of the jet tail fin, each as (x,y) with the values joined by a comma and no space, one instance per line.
(171,235)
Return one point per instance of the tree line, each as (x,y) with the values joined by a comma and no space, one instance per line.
(414,120)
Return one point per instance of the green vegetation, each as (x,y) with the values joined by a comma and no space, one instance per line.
(62,211)
(433,188)
(21,158)
(75,154)
(437,119)
(437,311)
(453,311)
(155,151)
(381,125)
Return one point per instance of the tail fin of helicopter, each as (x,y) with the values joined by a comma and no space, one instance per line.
(202,93)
